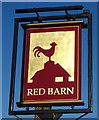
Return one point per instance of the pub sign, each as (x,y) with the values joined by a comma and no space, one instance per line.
(52,63)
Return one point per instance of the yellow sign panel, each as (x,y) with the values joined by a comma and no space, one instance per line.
(64,51)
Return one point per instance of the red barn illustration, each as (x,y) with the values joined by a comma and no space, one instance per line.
(52,74)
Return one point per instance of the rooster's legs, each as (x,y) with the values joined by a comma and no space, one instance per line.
(49,58)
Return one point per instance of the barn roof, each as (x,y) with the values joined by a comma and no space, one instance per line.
(51,69)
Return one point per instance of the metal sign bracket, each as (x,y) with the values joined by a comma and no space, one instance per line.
(54,113)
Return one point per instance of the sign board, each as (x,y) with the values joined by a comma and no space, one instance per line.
(52,64)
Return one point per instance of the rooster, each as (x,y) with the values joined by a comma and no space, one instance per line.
(47,52)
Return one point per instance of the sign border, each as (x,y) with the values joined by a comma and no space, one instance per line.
(76,28)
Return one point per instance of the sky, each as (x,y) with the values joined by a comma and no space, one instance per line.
(8,15)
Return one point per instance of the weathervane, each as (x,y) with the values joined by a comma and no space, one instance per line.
(47,52)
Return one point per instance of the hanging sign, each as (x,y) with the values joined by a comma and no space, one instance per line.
(52,63)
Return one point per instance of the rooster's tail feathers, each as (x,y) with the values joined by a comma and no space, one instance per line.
(38,48)
(38,54)
(37,51)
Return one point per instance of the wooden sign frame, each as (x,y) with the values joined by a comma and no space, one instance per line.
(35,100)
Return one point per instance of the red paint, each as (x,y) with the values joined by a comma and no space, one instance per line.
(45,78)
(49,52)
